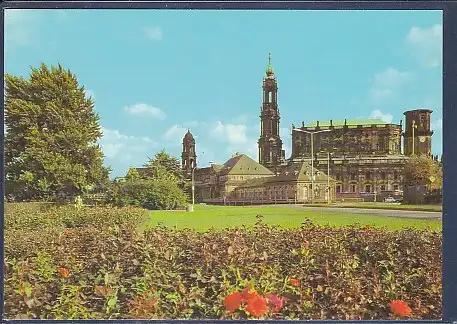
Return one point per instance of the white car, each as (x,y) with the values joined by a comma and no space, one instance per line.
(390,200)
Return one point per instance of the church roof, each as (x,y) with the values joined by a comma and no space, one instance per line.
(188,136)
(244,165)
(270,70)
(299,171)
(348,122)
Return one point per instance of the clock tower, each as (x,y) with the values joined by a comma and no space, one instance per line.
(418,135)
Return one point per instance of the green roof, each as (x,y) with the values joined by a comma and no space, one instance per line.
(269,67)
(243,164)
(354,122)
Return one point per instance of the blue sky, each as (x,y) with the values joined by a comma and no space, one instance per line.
(155,73)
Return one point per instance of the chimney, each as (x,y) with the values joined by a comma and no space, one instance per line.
(345,122)
(331,122)
(317,124)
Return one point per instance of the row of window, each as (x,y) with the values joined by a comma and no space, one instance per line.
(368,188)
(369,176)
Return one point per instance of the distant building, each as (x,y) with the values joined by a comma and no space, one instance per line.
(364,159)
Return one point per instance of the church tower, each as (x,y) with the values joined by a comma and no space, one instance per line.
(418,134)
(270,144)
(189,156)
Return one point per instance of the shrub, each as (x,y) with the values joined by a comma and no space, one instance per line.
(106,271)
(150,194)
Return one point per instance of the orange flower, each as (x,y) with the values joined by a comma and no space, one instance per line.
(233,302)
(247,294)
(294,282)
(305,244)
(64,272)
(400,308)
(257,306)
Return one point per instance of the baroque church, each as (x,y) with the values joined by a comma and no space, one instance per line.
(359,160)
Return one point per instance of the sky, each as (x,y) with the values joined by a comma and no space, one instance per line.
(153,74)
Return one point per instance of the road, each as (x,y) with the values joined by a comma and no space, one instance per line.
(412,214)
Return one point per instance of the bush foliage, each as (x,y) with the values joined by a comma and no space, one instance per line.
(100,267)
(149,193)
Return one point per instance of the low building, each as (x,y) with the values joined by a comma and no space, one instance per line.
(219,181)
(292,184)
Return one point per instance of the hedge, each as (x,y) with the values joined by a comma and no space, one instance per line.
(100,267)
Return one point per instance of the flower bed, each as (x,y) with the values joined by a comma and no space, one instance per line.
(107,270)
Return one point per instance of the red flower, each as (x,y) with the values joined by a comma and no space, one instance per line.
(294,282)
(257,306)
(64,272)
(277,302)
(247,294)
(305,244)
(400,308)
(233,302)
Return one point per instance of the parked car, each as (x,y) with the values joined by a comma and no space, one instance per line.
(390,200)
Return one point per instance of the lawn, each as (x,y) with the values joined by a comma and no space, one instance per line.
(382,205)
(219,217)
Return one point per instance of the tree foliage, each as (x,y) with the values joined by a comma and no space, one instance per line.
(159,185)
(164,165)
(50,145)
(151,194)
(423,170)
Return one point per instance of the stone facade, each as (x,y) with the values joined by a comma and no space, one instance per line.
(189,154)
(363,158)
(271,153)
(220,181)
(292,184)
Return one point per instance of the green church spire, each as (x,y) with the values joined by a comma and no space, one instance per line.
(270,70)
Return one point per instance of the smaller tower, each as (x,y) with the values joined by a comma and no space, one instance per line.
(188,156)
(417,137)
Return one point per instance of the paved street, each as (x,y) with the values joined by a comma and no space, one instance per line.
(378,212)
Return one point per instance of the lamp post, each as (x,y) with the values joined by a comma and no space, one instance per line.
(328,177)
(193,187)
(312,155)
(414,126)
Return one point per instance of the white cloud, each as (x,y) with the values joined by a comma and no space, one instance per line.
(386,83)
(145,109)
(437,125)
(426,44)
(385,117)
(390,77)
(232,133)
(153,33)
(175,133)
(116,145)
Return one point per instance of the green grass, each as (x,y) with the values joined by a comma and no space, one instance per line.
(382,205)
(219,217)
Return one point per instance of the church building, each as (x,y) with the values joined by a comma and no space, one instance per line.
(346,160)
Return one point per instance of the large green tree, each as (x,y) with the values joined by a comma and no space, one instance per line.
(51,149)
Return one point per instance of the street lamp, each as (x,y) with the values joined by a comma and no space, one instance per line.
(414,126)
(193,187)
(311,133)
